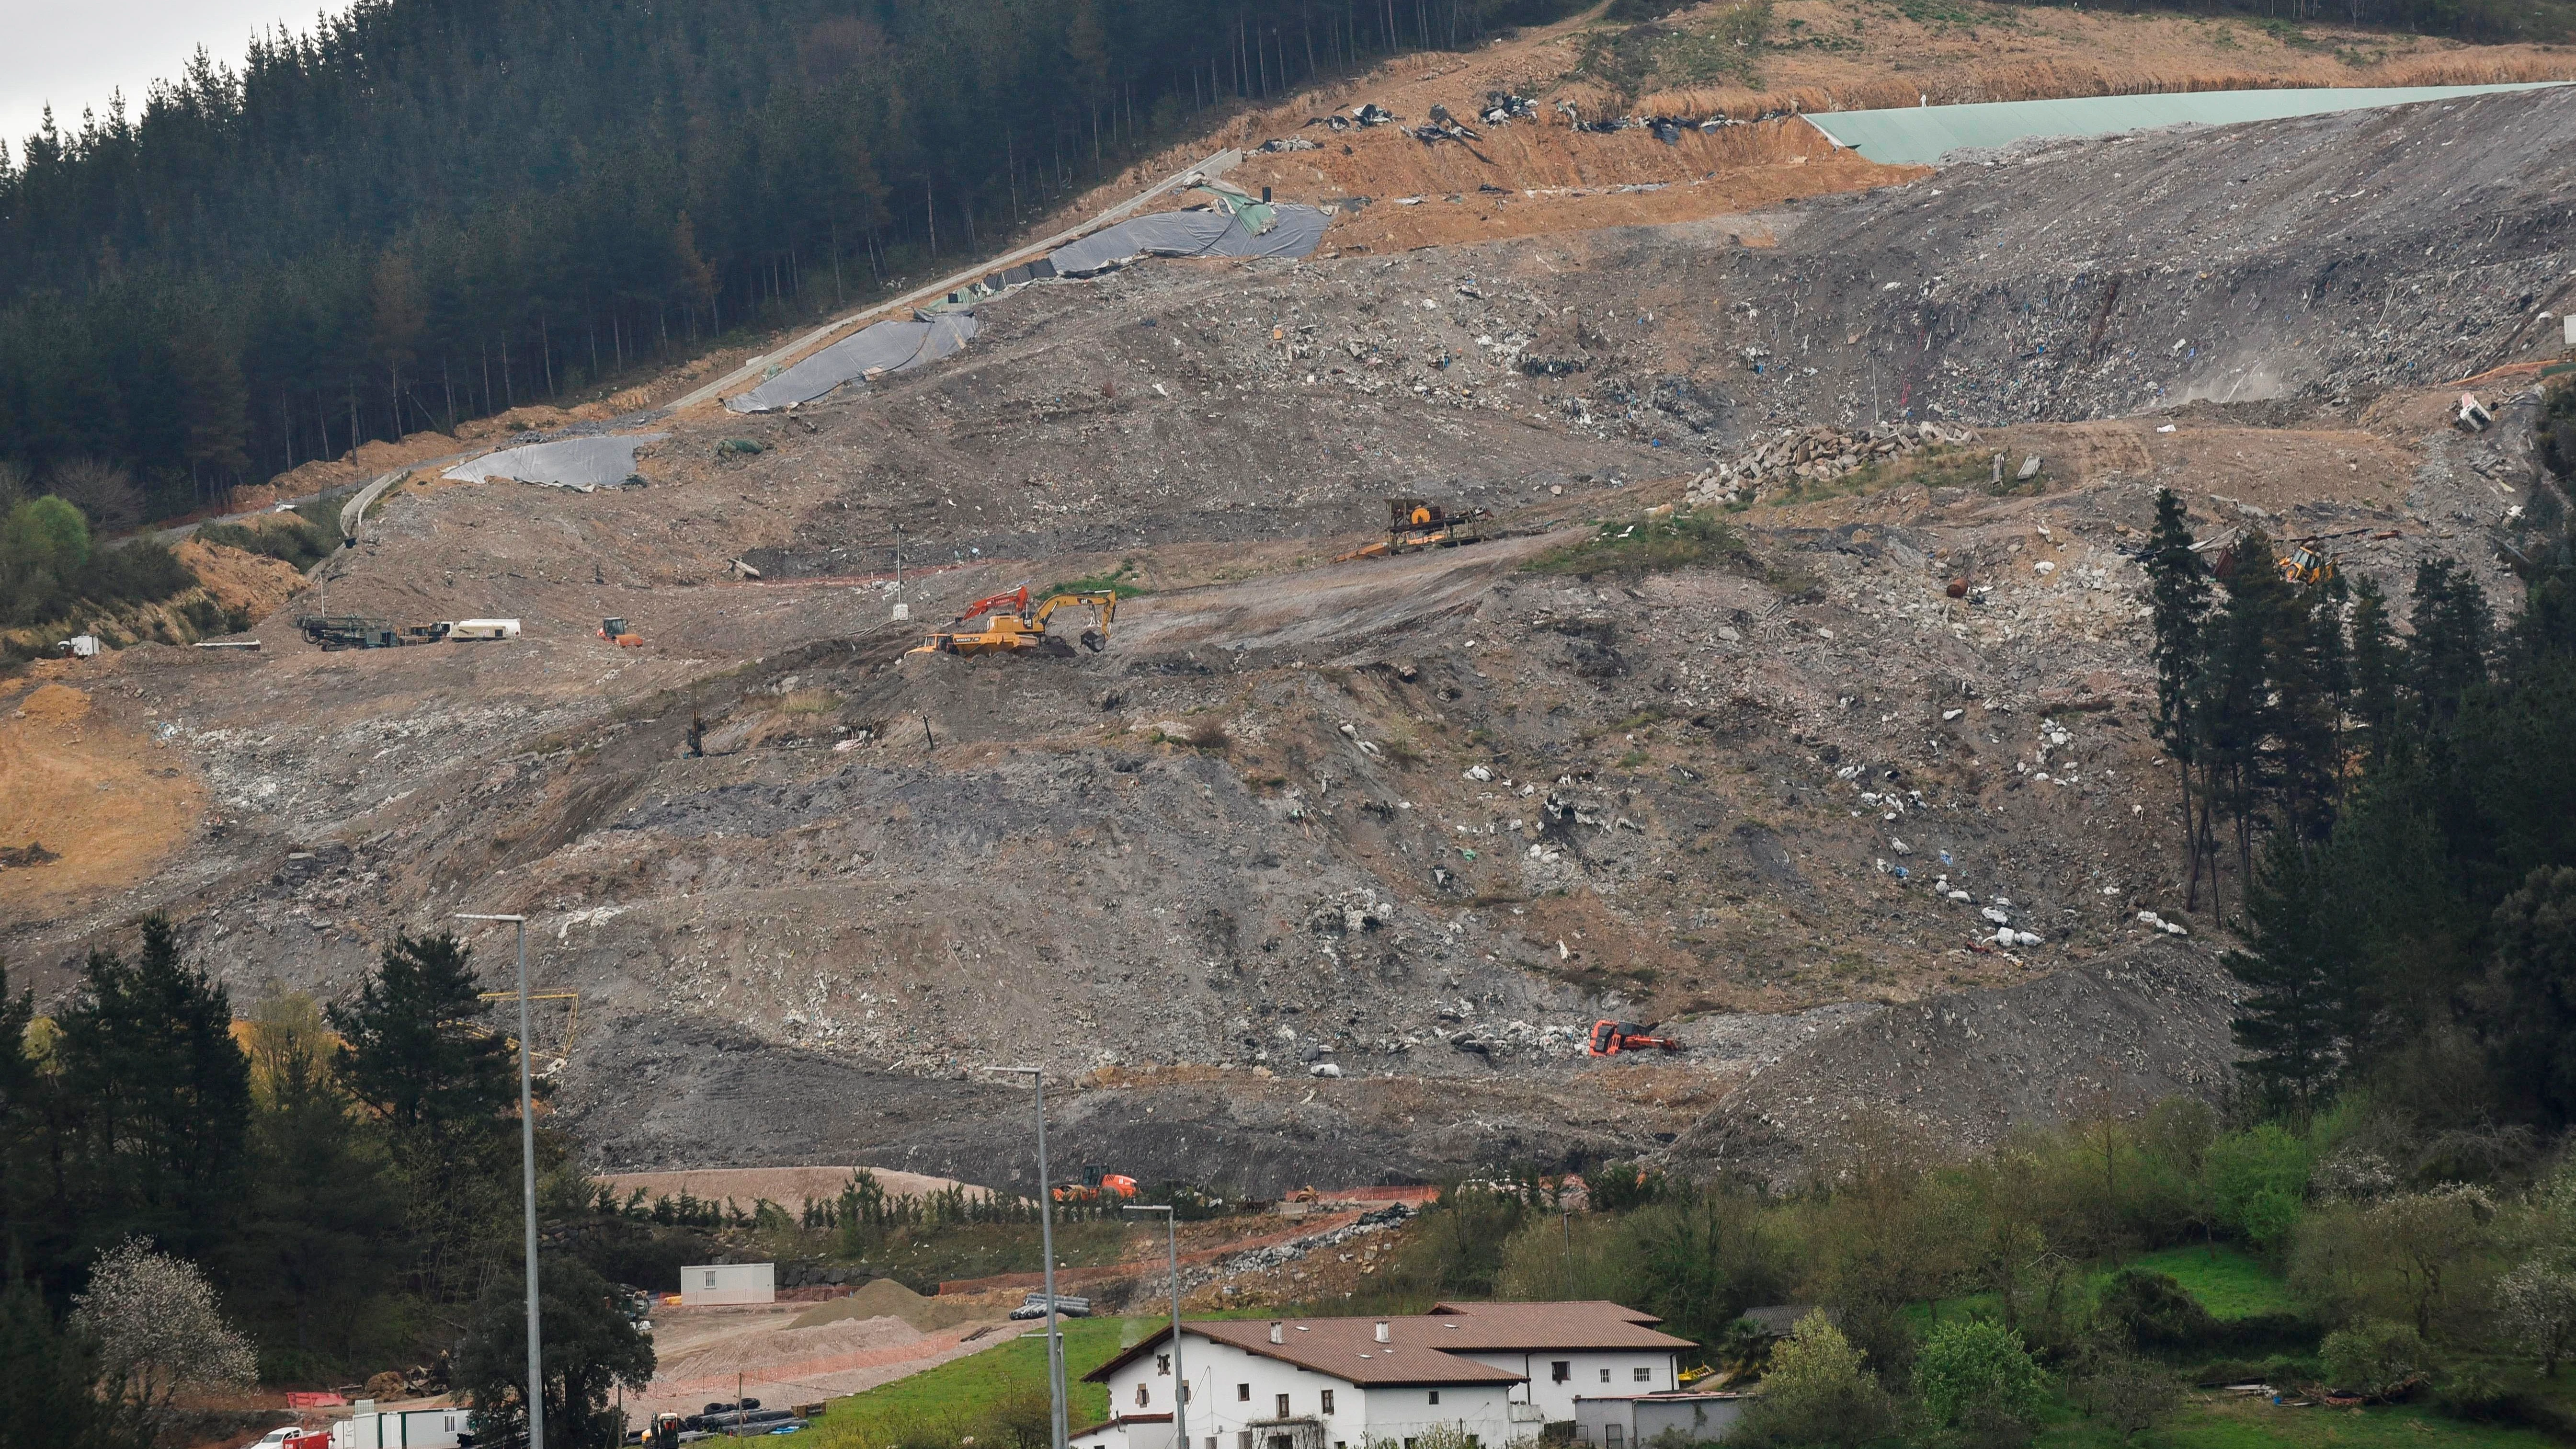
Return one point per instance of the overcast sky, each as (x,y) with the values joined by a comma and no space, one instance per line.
(72,53)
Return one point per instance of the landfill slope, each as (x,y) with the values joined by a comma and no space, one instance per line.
(1322,870)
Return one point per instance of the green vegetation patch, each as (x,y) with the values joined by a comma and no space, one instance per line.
(1650,545)
(2227,1280)
(288,536)
(984,1394)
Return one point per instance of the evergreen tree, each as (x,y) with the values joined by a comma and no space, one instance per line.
(423,1059)
(311,1255)
(162,1096)
(2178,587)
(50,1394)
(2298,965)
(590,1349)
(2447,656)
(2376,664)
(2527,1009)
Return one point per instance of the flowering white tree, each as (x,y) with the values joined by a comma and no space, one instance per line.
(158,1329)
(2539,1301)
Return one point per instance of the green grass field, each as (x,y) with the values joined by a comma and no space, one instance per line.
(953,1396)
(2231,1283)
(2209,1423)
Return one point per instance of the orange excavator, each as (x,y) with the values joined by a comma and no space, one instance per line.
(1099,1185)
(1011,626)
(1609,1038)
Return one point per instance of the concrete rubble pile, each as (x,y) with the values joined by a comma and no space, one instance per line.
(1815,454)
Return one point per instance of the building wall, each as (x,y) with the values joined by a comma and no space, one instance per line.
(713,1283)
(1221,1374)
(1700,1420)
(1401,1414)
(1585,1372)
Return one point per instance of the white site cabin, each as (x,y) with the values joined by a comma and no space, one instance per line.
(706,1284)
(1494,1372)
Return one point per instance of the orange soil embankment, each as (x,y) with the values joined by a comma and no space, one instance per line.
(103,799)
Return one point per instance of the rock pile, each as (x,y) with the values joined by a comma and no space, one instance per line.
(1814,454)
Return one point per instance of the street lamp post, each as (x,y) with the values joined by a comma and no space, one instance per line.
(1046,1243)
(1180,1378)
(528,1182)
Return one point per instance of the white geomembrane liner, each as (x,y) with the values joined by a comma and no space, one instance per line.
(895,346)
(566,462)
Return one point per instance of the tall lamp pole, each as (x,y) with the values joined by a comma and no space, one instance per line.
(1180,1378)
(528,1182)
(1046,1243)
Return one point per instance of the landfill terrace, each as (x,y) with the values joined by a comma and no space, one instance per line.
(1324,869)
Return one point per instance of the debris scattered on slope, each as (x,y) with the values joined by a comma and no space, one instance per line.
(1818,453)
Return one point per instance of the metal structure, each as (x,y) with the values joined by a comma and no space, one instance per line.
(528,1179)
(1046,1244)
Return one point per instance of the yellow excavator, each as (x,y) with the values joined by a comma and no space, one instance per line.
(1414,524)
(1011,626)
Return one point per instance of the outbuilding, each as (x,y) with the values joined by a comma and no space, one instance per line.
(709,1284)
(1624,1421)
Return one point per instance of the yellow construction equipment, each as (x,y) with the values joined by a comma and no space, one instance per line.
(1011,626)
(2307,563)
(1414,524)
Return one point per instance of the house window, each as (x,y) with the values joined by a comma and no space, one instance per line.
(1611,1436)
(1559,1371)
(1605,1376)
(1645,1376)
(1435,1396)
(1282,1401)
(1243,1393)
(1185,1393)
(1162,1363)
(1328,1403)
(711,1280)
(1142,1397)
(1243,1440)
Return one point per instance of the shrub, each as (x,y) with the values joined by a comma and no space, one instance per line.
(2154,1311)
(2127,1393)
(1817,1393)
(2259,1179)
(1970,1368)
(287,536)
(2376,1360)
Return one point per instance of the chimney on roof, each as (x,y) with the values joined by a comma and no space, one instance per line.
(1276,1336)
(1381,1330)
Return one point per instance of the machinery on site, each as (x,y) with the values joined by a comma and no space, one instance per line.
(1098,1184)
(357,631)
(1610,1038)
(616,632)
(2306,563)
(1012,626)
(1414,524)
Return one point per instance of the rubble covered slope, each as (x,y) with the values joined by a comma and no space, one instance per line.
(1321,870)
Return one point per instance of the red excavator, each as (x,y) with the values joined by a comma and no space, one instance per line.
(1609,1038)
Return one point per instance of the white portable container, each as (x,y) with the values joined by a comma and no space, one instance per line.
(711,1283)
(484,629)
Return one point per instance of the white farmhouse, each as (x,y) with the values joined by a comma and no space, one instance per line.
(1494,1372)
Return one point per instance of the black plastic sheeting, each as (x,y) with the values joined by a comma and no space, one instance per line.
(898,346)
(1294,232)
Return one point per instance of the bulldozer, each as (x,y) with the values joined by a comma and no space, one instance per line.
(1011,626)
(1609,1038)
(1414,524)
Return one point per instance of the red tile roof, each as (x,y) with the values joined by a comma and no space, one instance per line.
(1583,1325)
(1426,1349)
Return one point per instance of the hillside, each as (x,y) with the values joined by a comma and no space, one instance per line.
(1422,819)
